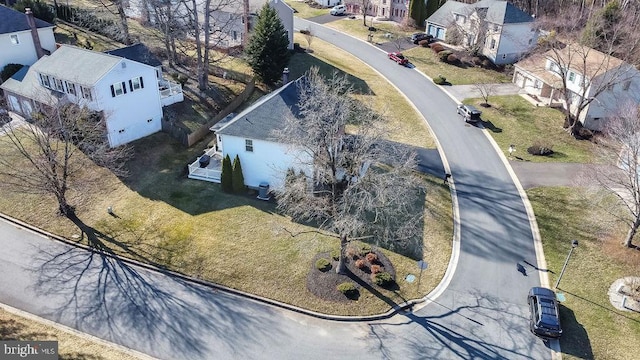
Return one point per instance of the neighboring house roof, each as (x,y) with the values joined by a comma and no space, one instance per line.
(82,66)
(497,12)
(12,21)
(265,115)
(443,16)
(503,12)
(580,59)
(138,53)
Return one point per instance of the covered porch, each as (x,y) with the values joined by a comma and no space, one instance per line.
(207,167)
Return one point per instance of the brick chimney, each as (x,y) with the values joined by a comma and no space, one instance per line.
(34,32)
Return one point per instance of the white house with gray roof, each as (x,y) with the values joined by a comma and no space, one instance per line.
(501,31)
(17,42)
(125,91)
(250,136)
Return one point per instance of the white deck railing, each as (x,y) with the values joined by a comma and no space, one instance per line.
(170,92)
(212,172)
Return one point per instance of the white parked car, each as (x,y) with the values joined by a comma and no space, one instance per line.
(338,10)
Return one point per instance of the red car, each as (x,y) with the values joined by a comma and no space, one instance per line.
(398,57)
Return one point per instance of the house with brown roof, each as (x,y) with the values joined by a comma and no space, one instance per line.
(594,82)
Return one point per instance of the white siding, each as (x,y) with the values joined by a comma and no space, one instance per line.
(515,40)
(268,162)
(24,52)
(135,114)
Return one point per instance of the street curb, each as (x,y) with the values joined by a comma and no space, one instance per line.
(72,331)
(259,299)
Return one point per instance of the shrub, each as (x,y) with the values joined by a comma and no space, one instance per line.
(476,61)
(347,288)
(360,263)
(323,264)
(353,252)
(423,43)
(371,257)
(382,279)
(335,254)
(365,247)
(442,55)
(237,178)
(376,269)
(540,149)
(226,178)
(452,59)
(9,70)
(437,47)
(440,80)
(584,133)
(486,63)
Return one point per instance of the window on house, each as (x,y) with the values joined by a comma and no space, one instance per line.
(493,44)
(44,80)
(234,35)
(537,84)
(59,84)
(572,76)
(248,145)
(627,84)
(118,89)
(71,88)
(136,84)
(14,39)
(86,93)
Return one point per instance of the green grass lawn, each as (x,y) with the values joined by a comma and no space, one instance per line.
(303,10)
(405,124)
(513,120)
(427,61)
(593,328)
(356,28)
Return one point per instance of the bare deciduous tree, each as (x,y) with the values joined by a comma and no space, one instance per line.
(48,155)
(485,91)
(359,187)
(122,17)
(621,147)
(308,35)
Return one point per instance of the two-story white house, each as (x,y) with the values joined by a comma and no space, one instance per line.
(597,82)
(125,91)
(23,38)
(250,136)
(499,30)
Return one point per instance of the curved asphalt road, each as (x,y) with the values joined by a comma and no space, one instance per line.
(483,312)
(481,315)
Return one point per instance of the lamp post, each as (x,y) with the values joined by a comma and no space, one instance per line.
(574,244)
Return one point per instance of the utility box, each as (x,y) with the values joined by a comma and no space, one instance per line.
(263,191)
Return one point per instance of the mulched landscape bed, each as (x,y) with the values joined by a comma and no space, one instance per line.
(324,284)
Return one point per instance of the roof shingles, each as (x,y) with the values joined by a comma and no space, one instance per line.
(12,21)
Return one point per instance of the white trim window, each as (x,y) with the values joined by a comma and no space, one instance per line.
(59,84)
(118,89)
(248,145)
(86,93)
(136,84)
(15,40)
(572,77)
(71,88)
(44,80)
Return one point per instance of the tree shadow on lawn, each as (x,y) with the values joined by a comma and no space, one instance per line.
(575,339)
(152,312)
(300,63)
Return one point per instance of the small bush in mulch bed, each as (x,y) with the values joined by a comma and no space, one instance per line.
(323,265)
(436,47)
(348,289)
(442,55)
(540,149)
(584,134)
(335,254)
(371,257)
(452,59)
(361,264)
(375,269)
(383,279)
(353,252)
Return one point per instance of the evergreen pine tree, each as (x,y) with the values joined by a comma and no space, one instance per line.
(238,178)
(267,51)
(432,6)
(226,179)
(418,12)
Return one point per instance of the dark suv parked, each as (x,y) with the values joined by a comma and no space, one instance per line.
(545,315)
(417,37)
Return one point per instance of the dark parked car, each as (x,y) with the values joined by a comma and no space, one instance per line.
(417,37)
(469,112)
(545,314)
(398,57)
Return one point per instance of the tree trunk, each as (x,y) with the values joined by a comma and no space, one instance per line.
(203,79)
(123,22)
(628,241)
(342,262)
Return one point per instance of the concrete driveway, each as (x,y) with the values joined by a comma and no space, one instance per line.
(461,92)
